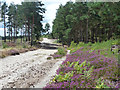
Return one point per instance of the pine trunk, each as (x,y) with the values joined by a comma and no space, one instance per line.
(86,41)
(28,31)
(32,31)
(21,35)
(109,34)
(11,33)
(14,32)
(92,35)
(4,30)
(25,30)
(96,36)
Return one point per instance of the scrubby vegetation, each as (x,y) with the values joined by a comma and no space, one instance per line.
(10,48)
(88,66)
(14,51)
(60,53)
(103,48)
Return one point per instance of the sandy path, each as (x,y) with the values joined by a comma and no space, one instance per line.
(30,69)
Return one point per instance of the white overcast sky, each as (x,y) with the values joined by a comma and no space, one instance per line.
(51,7)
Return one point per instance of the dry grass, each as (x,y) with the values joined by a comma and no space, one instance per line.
(15,51)
(3,54)
(11,48)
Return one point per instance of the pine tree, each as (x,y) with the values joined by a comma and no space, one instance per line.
(4,10)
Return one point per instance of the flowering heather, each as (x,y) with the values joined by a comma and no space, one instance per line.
(86,69)
(57,56)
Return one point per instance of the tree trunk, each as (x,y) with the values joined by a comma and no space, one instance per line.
(4,30)
(100,36)
(14,32)
(92,35)
(103,33)
(86,41)
(28,31)
(11,34)
(25,29)
(21,35)
(32,31)
(109,34)
(81,34)
(96,35)
(83,37)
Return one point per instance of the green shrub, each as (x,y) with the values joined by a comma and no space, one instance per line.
(25,45)
(89,44)
(73,45)
(73,50)
(61,51)
(105,48)
(80,44)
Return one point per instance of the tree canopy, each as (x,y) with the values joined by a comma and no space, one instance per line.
(25,18)
(87,22)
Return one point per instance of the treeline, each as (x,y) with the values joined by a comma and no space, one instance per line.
(24,19)
(87,22)
(18,37)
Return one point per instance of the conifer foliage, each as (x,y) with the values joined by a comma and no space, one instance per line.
(24,19)
(87,22)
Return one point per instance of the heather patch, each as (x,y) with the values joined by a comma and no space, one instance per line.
(87,69)
(103,48)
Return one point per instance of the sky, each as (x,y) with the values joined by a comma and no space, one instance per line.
(50,5)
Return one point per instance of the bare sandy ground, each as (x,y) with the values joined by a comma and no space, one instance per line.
(30,69)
